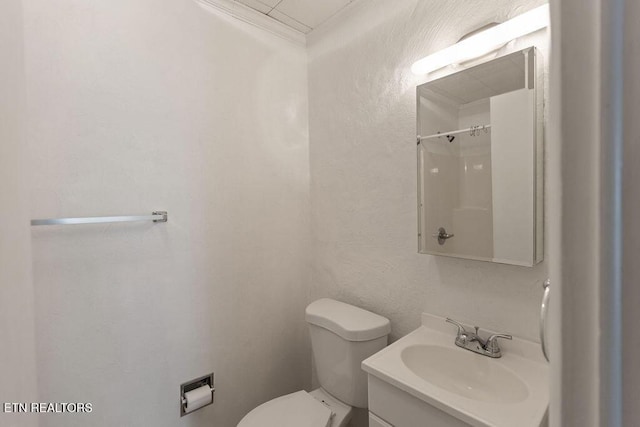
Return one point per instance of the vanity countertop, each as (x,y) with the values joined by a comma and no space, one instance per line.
(512,390)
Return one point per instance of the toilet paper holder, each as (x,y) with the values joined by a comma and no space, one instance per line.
(206,380)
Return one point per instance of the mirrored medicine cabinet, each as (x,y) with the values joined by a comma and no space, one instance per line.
(480,176)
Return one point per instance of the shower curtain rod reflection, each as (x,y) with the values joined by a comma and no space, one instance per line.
(157,216)
(456,132)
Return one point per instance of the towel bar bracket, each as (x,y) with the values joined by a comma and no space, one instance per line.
(165,216)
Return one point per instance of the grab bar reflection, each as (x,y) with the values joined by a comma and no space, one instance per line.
(543,317)
(156,216)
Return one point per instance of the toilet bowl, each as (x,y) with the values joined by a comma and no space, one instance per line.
(342,336)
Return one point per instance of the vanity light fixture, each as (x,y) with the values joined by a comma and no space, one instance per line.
(484,42)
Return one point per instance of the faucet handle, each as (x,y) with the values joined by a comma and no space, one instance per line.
(461,329)
(492,346)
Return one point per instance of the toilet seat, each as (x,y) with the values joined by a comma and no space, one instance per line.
(298,409)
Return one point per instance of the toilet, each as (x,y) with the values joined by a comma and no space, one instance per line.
(342,336)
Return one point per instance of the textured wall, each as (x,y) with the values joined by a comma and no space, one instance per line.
(363,171)
(17,343)
(161,104)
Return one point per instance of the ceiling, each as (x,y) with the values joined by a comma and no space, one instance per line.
(301,15)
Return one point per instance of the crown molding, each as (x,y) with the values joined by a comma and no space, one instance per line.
(246,14)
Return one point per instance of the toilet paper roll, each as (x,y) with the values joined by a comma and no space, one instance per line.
(197,398)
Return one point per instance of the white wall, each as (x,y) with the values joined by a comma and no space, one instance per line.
(148,105)
(363,172)
(17,352)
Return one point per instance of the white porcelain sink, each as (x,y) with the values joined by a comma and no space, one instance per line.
(427,367)
(464,373)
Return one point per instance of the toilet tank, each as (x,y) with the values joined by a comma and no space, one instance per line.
(342,336)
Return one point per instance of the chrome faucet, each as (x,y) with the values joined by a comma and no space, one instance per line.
(471,341)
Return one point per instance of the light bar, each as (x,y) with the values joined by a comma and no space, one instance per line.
(485,41)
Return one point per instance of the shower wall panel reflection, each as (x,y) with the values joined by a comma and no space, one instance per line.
(480,162)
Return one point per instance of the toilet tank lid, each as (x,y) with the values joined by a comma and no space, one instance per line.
(349,322)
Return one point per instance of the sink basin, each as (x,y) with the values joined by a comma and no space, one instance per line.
(464,373)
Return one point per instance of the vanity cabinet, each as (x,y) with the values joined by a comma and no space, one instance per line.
(375,421)
(400,409)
